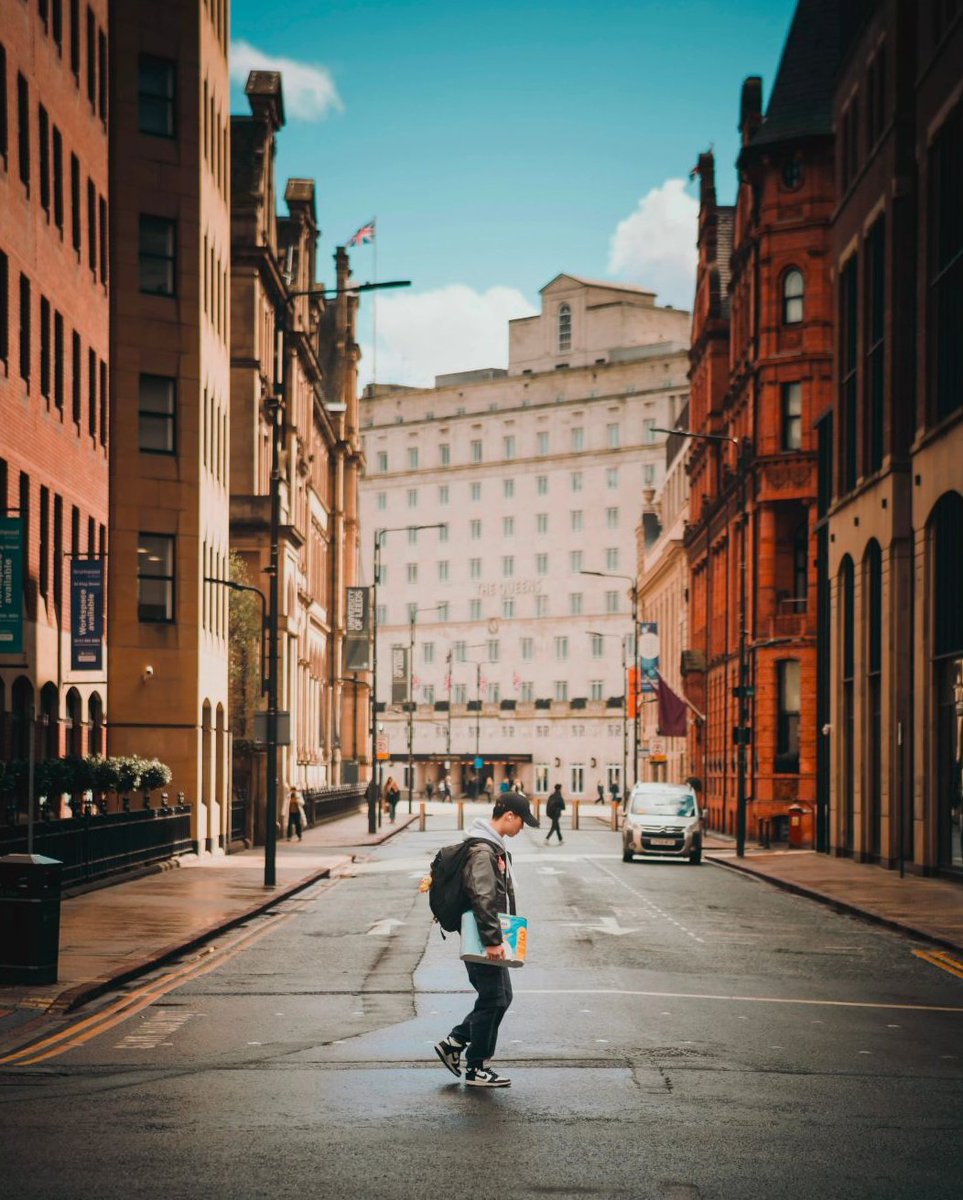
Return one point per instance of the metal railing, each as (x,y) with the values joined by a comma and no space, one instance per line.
(323,804)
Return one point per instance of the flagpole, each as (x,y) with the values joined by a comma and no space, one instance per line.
(374,308)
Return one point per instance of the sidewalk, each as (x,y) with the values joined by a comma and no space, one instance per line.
(931,909)
(118,932)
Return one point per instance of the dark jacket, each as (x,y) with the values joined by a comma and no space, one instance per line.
(555,806)
(488,889)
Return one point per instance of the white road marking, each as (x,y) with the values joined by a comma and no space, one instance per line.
(646,901)
(154,1031)
(601,925)
(384,928)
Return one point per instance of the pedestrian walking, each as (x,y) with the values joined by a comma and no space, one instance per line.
(489,788)
(488,890)
(601,791)
(295,813)
(553,810)
(446,789)
(392,796)
(429,788)
(614,791)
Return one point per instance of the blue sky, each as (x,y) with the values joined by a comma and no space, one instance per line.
(502,143)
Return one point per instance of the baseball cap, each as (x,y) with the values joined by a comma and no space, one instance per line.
(512,802)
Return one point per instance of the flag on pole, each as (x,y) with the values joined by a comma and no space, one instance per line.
(364,236)
(672,711)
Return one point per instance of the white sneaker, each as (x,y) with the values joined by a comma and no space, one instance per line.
(485,1077)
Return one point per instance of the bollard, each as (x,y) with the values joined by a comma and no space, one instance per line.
(615,816)
(461,814)
(575,805)
(422,807)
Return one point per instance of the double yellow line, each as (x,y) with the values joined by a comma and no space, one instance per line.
(943,960)
(88,1028)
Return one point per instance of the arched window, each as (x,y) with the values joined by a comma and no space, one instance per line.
(793,293)
(564,328)
(873,591)
(95,710)
(847,627)
(50,719)
(789,691)
(75,723)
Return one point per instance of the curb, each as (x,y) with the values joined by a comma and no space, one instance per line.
(843,906)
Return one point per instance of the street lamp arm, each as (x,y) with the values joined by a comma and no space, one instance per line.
(234,586)
(350,290)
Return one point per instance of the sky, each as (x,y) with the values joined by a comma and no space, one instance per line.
(501,143)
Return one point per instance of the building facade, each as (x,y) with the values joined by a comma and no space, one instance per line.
(170,397)
(515,610)
(54,354)
(294,355)
(761,371)
(890,542)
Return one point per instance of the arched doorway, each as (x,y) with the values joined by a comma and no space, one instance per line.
(220,777)
(873,706)
(50,721)
(75,723)
(95,711)
(847,628)
(206,804)
(946,576)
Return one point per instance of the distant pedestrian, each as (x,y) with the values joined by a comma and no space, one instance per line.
(295,813)
(601,791)
(614,791)
(392,796)
(553,810)
(505,786)
(446,789)
(429,788)
(489,788)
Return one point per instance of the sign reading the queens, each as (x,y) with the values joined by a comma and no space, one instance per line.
(11,585)
(357,640)
(86,614)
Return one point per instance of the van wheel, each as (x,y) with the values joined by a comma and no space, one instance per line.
(627,855)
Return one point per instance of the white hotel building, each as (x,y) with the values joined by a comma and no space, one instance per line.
(538,474)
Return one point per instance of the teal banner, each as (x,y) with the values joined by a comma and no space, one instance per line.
(11,585)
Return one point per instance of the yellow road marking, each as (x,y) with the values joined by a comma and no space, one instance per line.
(93,1026)
(943,960)
(947,1008)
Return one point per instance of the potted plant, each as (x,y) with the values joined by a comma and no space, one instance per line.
(128,777)
(154,774)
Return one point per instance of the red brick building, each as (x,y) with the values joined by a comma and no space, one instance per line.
(53,352)
(761,370)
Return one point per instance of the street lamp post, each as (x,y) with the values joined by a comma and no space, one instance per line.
(636,690)
(625,705)
(379,535)
(743,732)
(478,708)
(412,615)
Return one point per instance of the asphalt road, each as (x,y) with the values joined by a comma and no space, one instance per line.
(678,1033)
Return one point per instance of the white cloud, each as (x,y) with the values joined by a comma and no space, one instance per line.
(656,245)
(309,91)
(434,333)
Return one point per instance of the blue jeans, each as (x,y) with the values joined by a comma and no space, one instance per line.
(479,1030)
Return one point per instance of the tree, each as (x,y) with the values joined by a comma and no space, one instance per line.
(245,651)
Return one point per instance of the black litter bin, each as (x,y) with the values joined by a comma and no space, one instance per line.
(29,918)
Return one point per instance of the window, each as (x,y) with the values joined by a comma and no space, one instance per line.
(494,693)
(459,649)
(428,694)
(155,577)
(576,481)
(43,578)
(4,318)
(23,130)
(43,153)
(508,444)
(474,568)
(75,38)
(508,489)
(541,442)
(443,533)
(156,414)
(412,572)
(876,96)
(598,646)
(508,608)
(575,604)
(156,255)
(508,526)
(102,75)
(476,492)
(383,573)
(25,328)
(443,494)
(793,288)
(541,522)
(611,477)
(541,779)
(564,328)
(91,58)
(474,530)
(576,519)
(648,474)
(428,652)
(92,227)
(75,202)
(611,602)
(792,416)
(58,179)
(595,689)
(461,694)
(382,460)
(848,373)
(493,651)
(103,403)
(382,614)
(541,485)
(382,501)
(444,454)
(443,571)
(611,518)
(561,689)
(612,558)
(561,648)
(412,497)
(443,608)
(612,434)
(476,450)
(528,692)
(412,458)
(92,393)
(787,726)
(59,351)
(575,561)
(578,778)
(508,566)
(945,270)
(45,351)
(76,393)
(527,648)
(578,438)
(475,606)
(873,339)
(541,606)
(648,430)
(412,536)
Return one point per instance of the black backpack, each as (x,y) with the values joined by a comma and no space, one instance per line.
(446,896)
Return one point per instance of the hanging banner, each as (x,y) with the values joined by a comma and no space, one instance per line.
(399,674)
(11,585)
(649,655)
(86,614)
(357,641)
